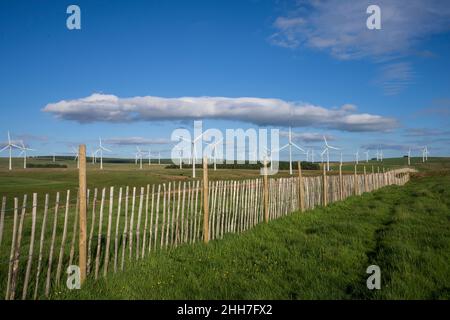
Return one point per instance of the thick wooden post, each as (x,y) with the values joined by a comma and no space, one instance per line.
(266,193)
(82,208)
(324,187)
(301,202)
(341,183)
(356,180)
(205,201)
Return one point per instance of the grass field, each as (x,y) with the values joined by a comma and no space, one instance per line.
(43,180)
(331,240)
(321,254)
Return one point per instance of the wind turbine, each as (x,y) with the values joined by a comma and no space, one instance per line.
(268,155)
(180,156)
(77,157)
(100,150)
(291,144)
(327,152)
(10,146)
(381,155)
(214,150)
(193,149)
(149,157)
(424,154)
(139,156)
(312,155)
(409,157)
(24,152)
(341,159)
(367,155)
(357,156)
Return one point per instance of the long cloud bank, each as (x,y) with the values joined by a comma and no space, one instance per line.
(258,111)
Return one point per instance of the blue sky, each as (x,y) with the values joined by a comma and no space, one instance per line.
(316,58)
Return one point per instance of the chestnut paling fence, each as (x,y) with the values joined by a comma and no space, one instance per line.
(39,233)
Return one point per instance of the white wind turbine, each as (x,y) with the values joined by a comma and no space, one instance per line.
(326,151)
(149,154)
(424,154)
(139,155)
(77,157)
(193,142)
(10,146)
(214,151)
(24,153)
(409,156)
(367,155)
(291,144)
(357,156)
(381,155)
(268,155)
(100,150)
(180,156)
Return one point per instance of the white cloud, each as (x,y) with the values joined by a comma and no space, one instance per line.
(307,137)
(132,141)
(339,26)
(259,111)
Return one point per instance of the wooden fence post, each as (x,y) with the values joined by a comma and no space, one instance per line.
(356,180)
(325,187)
(82,207)
(301,202)
(366,185)
(205,201)
(266,194)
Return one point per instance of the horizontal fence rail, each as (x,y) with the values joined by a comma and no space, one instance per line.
(39,234)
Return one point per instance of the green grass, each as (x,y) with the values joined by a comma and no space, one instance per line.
(50,180)
(320,254)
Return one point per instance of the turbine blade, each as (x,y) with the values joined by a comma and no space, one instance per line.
(299,148)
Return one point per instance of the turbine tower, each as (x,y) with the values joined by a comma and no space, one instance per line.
(326,151)
(139,155)
(193,149)
(77,158)
(100,150)
(10,146)
(24,153)
(409,157)
(214,150)
(291,144)
(367,155)
(357,156)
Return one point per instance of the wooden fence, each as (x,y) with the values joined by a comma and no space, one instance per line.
(39,235)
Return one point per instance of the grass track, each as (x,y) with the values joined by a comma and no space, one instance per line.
(320,254)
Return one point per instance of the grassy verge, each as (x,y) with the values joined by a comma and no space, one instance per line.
(321,254)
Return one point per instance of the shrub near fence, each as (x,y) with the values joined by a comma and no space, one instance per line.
(39,236)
